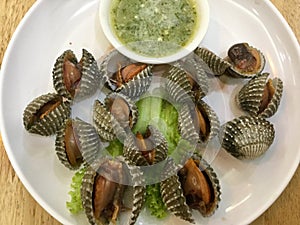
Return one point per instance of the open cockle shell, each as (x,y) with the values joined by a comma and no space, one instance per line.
(173,198)
(115,117)
(124,75)
(122,108)
(73,79)
(119,176)
(261,97)
(186,81)
(110,64)
(247,137)
(77,142)
(138,84)
(197,75)
(139,192)
(246,61)
(105,124)
(178,85)
(66,147)
(146,149)
(198,123)
(216,64)
(45,114)
(200,185)
(102,190)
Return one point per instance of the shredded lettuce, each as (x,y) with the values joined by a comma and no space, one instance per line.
(154,201)
(115,148)
(75,204)
(161,114)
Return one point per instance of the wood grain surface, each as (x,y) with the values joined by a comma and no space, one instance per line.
(17,207)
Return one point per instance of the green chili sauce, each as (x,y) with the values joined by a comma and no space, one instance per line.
(154,28)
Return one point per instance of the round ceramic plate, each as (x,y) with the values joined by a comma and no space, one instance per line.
(50,27)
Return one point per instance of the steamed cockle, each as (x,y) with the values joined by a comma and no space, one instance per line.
(73,78)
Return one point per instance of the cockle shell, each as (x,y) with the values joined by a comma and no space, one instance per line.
(139,192)
(155,142)
(122,174)
(45,114)
(195,68)
(110,174)
(178,86)
(138,85)
(106,125)
(259,97)
(198,123)
(216,64)
(126,76)
(246,61)
(122,108)
(200,185)
(110,64)
(111,119)
(186,81)
(247,137)
(173,198)
(77,142)
(66,146)
(73,79)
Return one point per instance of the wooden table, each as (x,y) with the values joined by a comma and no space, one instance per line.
(19,208)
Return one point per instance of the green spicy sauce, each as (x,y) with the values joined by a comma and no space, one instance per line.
(154,28)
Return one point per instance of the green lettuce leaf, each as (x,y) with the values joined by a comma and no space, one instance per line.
(115,148)
(154,201)
(75,204)
(161,114)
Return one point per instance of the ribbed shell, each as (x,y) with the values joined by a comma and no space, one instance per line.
(90,78)
(187,128)
(87,188)
(133,108)
(58,70)
(247,137)
(134,158)
(138,85)
(178,86)
(86,192)
(110,64)
(173,198)
(217,65)
(215,184)
(88,143)
(133,154)
(250,96)
(60,147)
(51,122)
(178,81)
(232,70)
(195,67)
(106,126)
(139,192)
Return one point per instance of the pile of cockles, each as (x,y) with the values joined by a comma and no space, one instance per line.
(194,185)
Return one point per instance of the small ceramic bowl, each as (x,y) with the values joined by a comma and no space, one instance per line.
(202,8)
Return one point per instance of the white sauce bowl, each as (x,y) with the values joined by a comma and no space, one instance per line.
(104,15)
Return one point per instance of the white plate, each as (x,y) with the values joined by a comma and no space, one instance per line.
(50,27)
